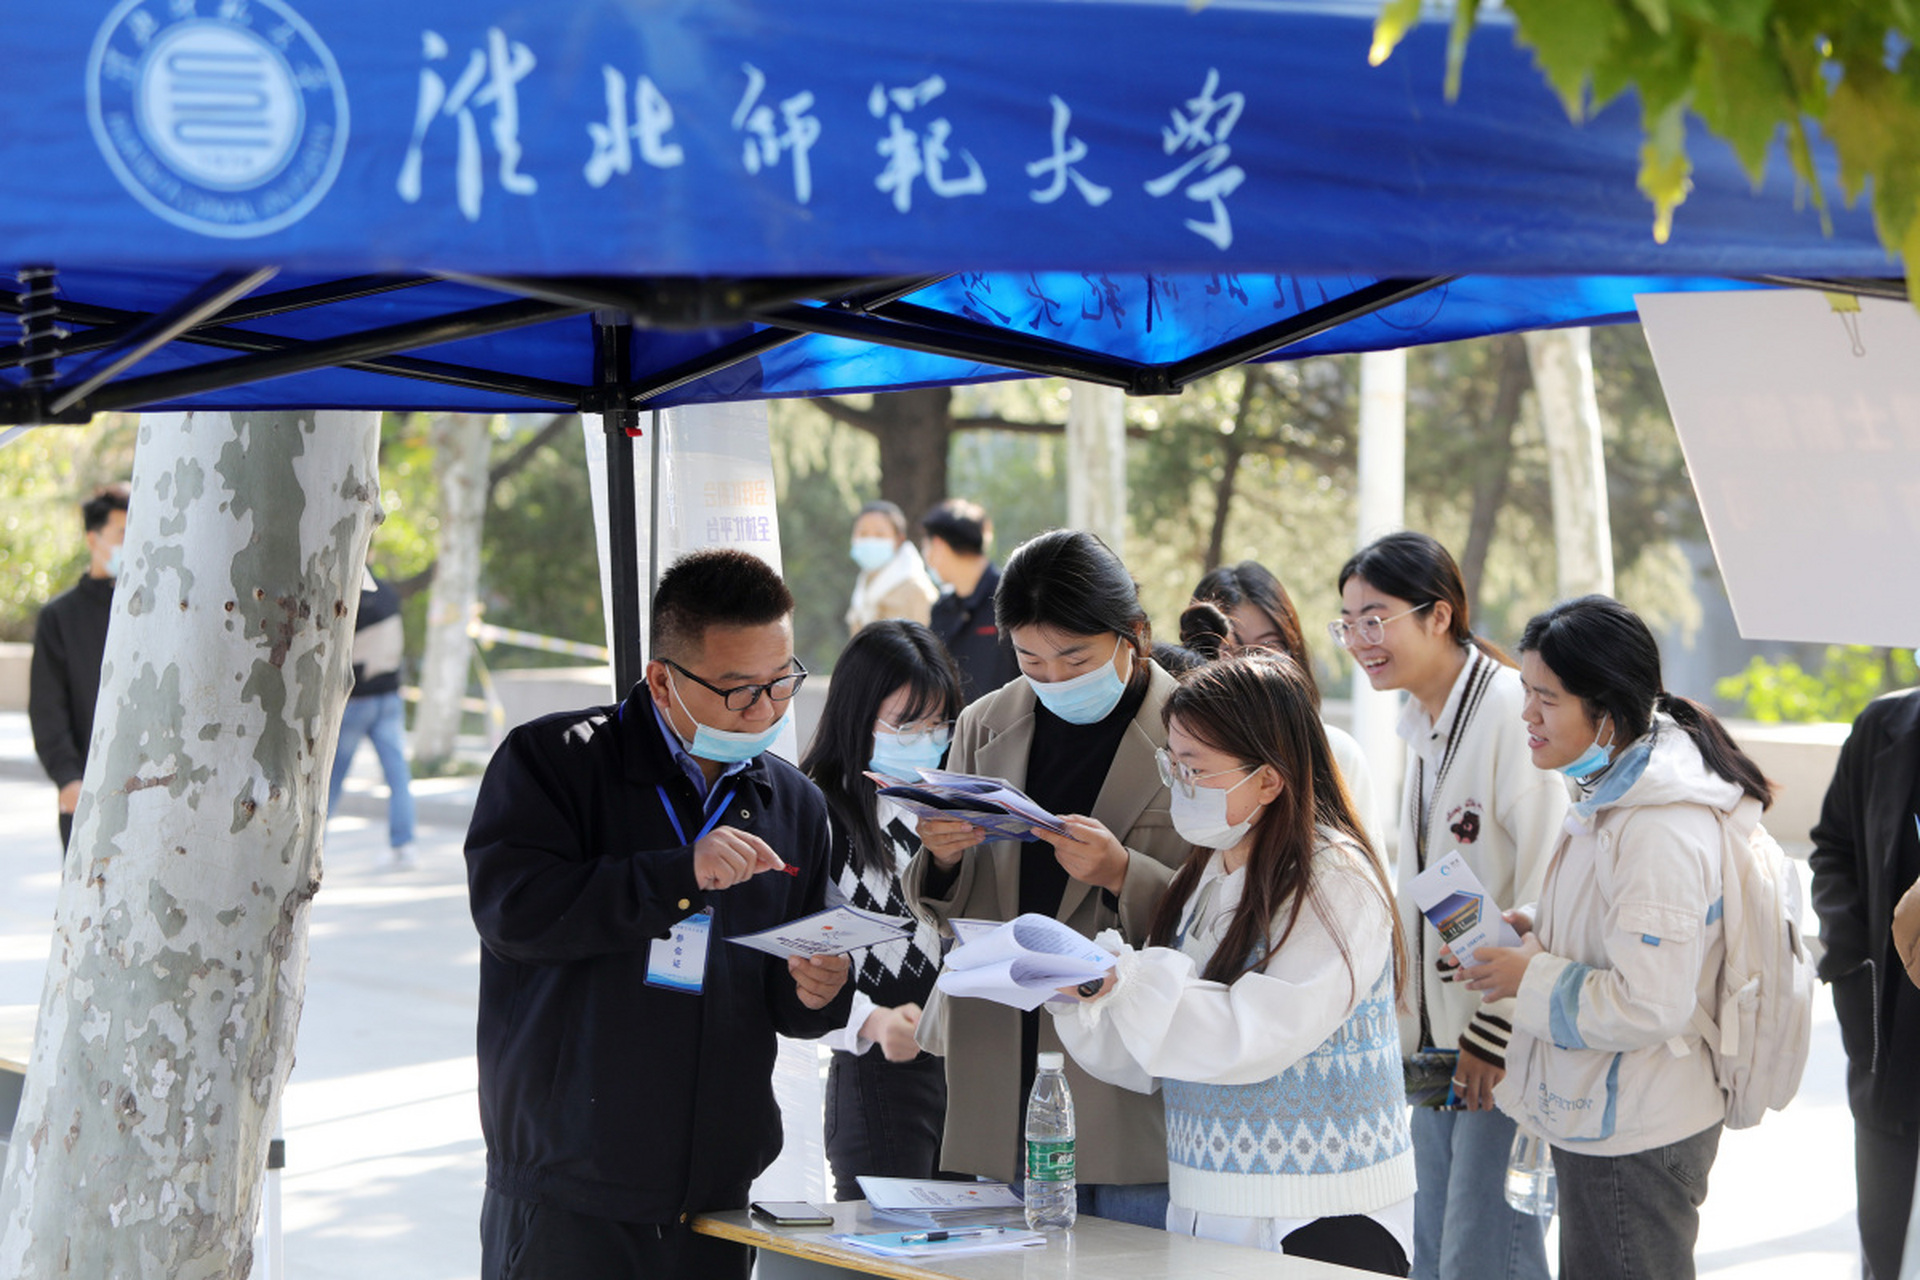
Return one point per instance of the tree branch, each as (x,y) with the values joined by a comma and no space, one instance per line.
(840,411)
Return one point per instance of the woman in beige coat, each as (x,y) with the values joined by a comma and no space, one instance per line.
(1077,734)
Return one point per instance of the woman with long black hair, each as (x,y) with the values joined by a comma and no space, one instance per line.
(1262,1003)
(1625,943)
(1471,787)
(1078,734)
(889,710)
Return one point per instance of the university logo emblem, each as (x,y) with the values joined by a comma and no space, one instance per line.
(230,122)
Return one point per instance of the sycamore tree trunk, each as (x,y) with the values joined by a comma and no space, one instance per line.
(1562,363)
(173,991)
(460,465)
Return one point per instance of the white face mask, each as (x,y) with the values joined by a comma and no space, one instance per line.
(1201,819)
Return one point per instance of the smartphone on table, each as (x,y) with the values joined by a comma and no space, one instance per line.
(792,1213)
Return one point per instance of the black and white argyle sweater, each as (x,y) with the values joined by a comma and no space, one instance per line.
(891,973)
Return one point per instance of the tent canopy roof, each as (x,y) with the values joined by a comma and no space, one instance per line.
(494,205)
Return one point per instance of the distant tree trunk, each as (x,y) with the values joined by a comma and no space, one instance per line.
(913,428)
(1493,472)
(174,988)
(1097,463)
(460,465)
(1234,445)
(1562,363)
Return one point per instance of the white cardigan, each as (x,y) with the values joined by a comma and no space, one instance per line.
(1500,812)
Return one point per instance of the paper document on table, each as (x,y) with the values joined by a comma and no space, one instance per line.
(929,1202)
(994,805)
(1453,899)
(1023,963)
(935,1242)
(828,933)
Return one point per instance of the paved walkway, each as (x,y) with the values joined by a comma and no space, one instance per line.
(385,1160)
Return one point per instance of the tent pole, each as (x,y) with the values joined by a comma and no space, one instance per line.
(612,349)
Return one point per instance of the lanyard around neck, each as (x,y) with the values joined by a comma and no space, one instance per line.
(713,819)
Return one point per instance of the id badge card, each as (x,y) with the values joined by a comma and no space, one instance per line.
(678,962)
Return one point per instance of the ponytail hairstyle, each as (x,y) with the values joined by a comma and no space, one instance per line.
(884,656)
(1416,568)
(1259,708)
(1252,583)
(1204,631)
(1605,656)
(1072,582)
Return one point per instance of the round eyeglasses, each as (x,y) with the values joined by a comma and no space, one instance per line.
(1181,778)
(743,696)
(1367,630)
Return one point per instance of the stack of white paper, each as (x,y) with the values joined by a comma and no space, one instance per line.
(933,1202)
(1023,963)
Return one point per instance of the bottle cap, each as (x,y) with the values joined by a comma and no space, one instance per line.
(1050,1061)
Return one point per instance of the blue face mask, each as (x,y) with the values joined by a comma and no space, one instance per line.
(871,553)
(113,563)
(724,746)
(1595,758)
(904,760)
(1085,699)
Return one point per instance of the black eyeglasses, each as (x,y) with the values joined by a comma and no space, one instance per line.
(743,696)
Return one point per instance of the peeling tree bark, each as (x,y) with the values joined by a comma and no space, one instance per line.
(460,464)
(173,991)
(1562,363)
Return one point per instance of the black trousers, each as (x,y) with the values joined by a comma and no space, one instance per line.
(1883,1176)
(883,1118)
(66,830)
(520,1240)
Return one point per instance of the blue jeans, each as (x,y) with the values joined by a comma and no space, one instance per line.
(1634,1217)
(1144,1204)
(378,716)
(1463,1228)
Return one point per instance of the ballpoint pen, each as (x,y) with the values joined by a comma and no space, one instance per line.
(934,1237)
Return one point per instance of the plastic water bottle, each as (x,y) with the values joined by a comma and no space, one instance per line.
(1530,1185)
(1050,1186)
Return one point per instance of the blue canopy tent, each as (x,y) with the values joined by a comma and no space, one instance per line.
(622,205)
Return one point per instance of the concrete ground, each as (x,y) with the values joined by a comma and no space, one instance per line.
(385,1162)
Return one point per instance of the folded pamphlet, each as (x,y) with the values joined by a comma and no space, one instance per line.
(937,1202)
(1453,899)
(832,932)
(1023,963)
(994,805)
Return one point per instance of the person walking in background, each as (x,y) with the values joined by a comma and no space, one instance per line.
(890,709)
(1866,854)
(893,581)
(69,645)
(1260,615)
(1471,786)
(374,711)
(1262,1000)
(1625,944)
(958,536)
(1078,734)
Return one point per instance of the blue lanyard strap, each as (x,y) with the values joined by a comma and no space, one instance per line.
(713,819)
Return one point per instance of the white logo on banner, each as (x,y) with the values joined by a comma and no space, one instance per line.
(231,123)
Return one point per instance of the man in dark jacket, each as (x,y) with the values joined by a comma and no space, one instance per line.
(69,644)
(1866,853)
(958,534)
(625,1047)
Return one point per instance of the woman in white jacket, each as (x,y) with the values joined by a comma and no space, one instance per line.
(1263,1002)
(1624,943)
(1470,788)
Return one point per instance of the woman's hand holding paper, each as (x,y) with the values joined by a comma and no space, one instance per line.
(946,839)
(1089,852)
